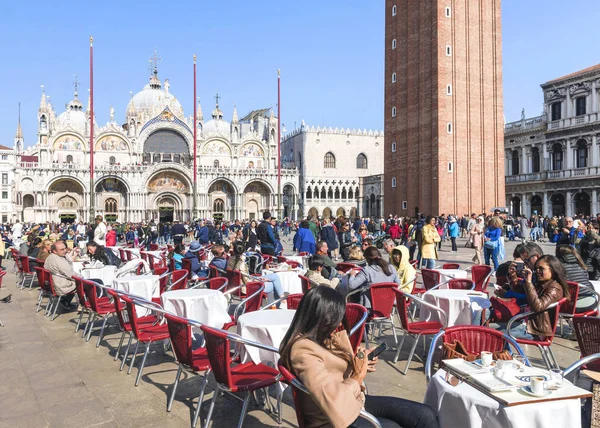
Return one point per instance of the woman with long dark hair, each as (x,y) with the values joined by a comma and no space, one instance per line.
(376,271)
(316,349)
(576,271)
(99,253)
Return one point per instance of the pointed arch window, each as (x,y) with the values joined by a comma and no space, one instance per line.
(361,161)
(337,193)
(309,193)
(216,163)
(110,205)
(218,206)
(330,193)
(344,194)
(323,194)
(112,160)
(69,159)
(329,161)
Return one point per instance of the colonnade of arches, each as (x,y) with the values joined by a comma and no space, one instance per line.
(582,202)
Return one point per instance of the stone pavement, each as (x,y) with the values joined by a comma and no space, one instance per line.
(50,377)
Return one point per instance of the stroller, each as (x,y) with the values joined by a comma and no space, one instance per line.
(378,242)
(255,262)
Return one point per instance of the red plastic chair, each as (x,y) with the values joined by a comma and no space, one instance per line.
(234,279)
(39,263)
(293,264)
(356,316)
(414,263)
(475,339)
(345,267)
(153,247)
(45,291)
(252,303)
(84,304)
(567,311)
(242,378)
(178,280)
(26,272)
(481,274)
(128,255)
(55,299)
(415,329)
(545,346)
(172,264)
(145,335)
(382,305)
(450,266)
(188,358)
(125,324)
(98,308)
(281,259)
(461,284)
(587,331)
(431,278)
(298,390)
(122,255)
(293,300)
(306,283)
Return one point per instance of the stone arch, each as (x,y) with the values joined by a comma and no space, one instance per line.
(313,213)
(225,179)
(112,142)
(262,181)
(59,178)
(154,169)
(123,181)
(536,204)
(28,201)
(170,206)
(169,180)
(175,126)
(558,202)
(309,193)
(515,205)
(341,211)
(582,203)
(68,140)
(327,213)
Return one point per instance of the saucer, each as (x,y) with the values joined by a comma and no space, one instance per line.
(527,389)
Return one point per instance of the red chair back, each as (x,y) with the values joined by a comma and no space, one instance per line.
(293,264)
(2,273)
(414,263)
(181,338)
(304,254)
(150,260)
(450,266)
(219,354)
(25,264)
(119,309)
(187,266)
(41,277)
(132,315)
(80,291)
(305,283)
(122,255)
(293,300)
(40,262)
(354,313)
(153,247)
(213,272)
(460,284)
(587,330)
(281,259)
(89,289)
(253,304)
(569,306)
(234,278)
(179,278)
(480,274)
(475,338)
(402,306)
(163,282)
(48,276)
(172,264)
(382,299)
(345,267)
(128,255)
(296,393)
(554,314)
(431,278)
(216,283)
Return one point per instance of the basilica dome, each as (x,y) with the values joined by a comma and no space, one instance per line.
(217,125)
(74,117)
(152,100)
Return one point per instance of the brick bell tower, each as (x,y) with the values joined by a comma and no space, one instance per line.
(444,127)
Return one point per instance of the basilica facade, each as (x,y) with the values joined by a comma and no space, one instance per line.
(143,169)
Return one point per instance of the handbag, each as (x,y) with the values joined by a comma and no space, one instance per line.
(491,245)
(457,350)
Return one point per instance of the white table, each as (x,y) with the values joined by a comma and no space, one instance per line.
(267,327)
(145,286)
(464,406)
(106,274)
(205,306)
(448,274)
(290,281)
(461,306)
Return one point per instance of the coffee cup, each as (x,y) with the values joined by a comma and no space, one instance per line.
(538,385)
(486,358)
(505,365)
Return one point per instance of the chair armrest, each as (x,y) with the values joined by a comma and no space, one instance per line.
(183,278)
(438,285)
(526,314)
(200,283)
(269,305)
(430,306)
(410,281)
(359,324)
(592,289)
(231,290)
(369,418)
(353,292)
(430,354)
(243,302)
(577,365)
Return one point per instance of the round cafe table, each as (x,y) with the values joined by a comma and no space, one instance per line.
(106,274)
(448,274)
(462,306)
(205,306)
(145,286)
(289,279)
(267,327)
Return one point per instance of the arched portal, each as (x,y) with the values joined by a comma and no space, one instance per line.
(222,200)
(261,194)
(515,206)
(327,213)
(111,194)
(558,204)
(166,145)
(168,208)
(582,203)
(340,212)
(289,201)
(28,208)
(313,213)
(65,199)
(536,205)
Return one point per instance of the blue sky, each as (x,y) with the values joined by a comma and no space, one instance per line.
(330,54)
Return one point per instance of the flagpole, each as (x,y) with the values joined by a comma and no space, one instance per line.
(279,206)
(92,211)
(195,196)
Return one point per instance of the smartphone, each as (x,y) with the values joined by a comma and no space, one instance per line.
(519,266)
(377,351)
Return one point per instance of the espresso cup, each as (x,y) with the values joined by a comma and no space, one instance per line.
(538,385)
(486,358)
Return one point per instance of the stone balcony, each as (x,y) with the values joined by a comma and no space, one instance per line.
(574,121)
(592,171)
(526,124)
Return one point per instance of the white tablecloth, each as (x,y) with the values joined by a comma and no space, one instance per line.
(289,280)
(267,327)
(461,306)
(145,286)
(448,274)
(465,407)
(106,274)
(205,306)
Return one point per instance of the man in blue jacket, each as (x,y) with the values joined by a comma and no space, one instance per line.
(304,241)
(203,234)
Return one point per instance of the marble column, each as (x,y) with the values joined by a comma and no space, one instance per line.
(524,162)
(594,159)
(569,204)
(545,204)
(594,108)
(569,155)
(526,208)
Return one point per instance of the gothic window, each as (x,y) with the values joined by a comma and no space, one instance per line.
(361,161)
(323,195)
(69,159)
(344,194)
(216,163)
(582,154)
(329,160)
(350,194)
(112,160)
(515,162)
(557,157)
(218,206)
(535,160)
(67,202)
(28,201)
(555,110)
(309,193)
(110,205)
(299,160)
(330,193)
(580,106)
(43,123)
(337,193)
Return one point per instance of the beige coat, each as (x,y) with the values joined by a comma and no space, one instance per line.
(321,280)
(430,238)
(335,398)
(477,235)
(60,266)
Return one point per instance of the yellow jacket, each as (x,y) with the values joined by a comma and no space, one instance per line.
(405,270)
(430,238)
